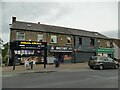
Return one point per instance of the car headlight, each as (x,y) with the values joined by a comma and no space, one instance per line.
(116,62)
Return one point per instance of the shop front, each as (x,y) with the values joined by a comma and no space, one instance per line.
(63,53)
(24,50)
(109,52)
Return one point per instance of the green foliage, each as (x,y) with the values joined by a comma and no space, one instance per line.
(5,54)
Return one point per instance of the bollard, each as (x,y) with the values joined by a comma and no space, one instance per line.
(31,64)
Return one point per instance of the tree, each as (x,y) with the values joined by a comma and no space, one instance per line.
(5,53)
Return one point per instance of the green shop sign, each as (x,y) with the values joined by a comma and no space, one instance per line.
(105,50)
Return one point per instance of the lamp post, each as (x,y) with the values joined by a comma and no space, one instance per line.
(75,55)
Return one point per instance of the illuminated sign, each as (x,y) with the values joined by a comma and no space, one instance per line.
(105,50)
(30,43)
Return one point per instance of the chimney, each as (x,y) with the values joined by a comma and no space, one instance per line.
(13,19)
(38,22)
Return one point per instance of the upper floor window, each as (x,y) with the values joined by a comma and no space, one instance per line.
(68,40)
(40,37)
(99,43)
(20,36)
(108,44)
(111,44)
(53,39)
(80,40)
(92,42)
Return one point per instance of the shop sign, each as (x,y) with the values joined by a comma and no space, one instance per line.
(105,50)
(28,45)
(24,42)
(61,48)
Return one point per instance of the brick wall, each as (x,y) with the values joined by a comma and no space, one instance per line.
(33,36)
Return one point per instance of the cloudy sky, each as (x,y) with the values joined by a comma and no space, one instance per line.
(92,16)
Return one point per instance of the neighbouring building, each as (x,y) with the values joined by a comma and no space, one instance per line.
(105,47)
(116,43)
(70,45)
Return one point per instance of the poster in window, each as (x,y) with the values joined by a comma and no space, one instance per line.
(19,52)
(22,52)
(25,51)
(16,52)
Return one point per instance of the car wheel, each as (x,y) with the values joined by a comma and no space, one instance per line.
(116,66)
(101,67)
(91,67)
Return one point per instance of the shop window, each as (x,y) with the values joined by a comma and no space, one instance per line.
(68,40)
(92,42)
(20,36)
(40,37)
(80,40)
(53,39)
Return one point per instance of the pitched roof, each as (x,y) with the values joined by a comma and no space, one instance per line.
(117,42)
(54,29)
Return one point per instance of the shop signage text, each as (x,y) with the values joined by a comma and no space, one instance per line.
(30,43)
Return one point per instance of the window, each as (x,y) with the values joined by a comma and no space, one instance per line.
(108,44)
(99,43)
(92,42)
(80,40)
(20,36)
(40,37)
(53,39)
(68,40)
(111,44)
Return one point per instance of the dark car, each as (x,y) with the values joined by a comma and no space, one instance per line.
(102,62)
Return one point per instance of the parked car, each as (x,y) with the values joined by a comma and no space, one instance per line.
(102,62)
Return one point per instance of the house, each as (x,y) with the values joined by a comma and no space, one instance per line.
(68,44)
(116,43)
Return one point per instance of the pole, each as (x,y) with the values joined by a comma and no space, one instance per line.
(45,57)
(14,57)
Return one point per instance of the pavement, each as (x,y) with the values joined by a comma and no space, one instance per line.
(40,68)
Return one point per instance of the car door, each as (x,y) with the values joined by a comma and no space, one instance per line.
(111,62)
(106,63)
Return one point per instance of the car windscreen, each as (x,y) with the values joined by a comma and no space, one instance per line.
(94,58)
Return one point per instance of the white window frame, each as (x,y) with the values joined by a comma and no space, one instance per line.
(108,43)
(54,38)
(40,37)
(18,33)
(68,38)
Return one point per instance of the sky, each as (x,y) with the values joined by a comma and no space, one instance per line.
(94,16)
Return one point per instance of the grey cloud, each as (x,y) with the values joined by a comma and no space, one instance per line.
(29,11)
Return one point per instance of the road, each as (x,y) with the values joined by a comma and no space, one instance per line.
(85,78)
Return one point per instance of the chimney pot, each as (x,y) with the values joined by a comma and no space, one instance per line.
(38,22)
(13,19)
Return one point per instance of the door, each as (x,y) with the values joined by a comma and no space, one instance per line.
(106,63)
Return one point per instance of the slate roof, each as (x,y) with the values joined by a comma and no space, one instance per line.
(54,29)
(117,42)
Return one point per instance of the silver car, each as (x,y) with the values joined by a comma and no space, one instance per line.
(102,62)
